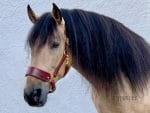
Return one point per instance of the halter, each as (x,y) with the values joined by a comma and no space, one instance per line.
(47,76)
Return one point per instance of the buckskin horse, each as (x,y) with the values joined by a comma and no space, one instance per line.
(114,59)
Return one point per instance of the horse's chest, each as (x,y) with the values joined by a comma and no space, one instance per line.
(124,103)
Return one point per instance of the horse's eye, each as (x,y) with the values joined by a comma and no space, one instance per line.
(54,45)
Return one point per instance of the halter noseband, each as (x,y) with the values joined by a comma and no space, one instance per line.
(48,77)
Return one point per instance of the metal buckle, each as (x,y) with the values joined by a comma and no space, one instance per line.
(53,86)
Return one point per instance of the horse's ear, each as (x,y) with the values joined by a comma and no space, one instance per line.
(32,16)
(56,14)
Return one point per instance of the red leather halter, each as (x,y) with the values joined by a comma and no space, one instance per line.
(46,76)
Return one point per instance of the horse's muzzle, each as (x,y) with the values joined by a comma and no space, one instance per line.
(35,98)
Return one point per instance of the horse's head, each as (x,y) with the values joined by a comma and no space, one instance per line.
(49,55)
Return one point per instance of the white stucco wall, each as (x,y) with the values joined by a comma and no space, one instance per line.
(72,94)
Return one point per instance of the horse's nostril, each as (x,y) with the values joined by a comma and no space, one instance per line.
(26,97)
(36,95)
(37,92)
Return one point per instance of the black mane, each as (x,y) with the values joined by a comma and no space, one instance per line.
(105,48)
(102,47)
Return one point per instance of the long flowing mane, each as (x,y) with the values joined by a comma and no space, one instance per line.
(105,49)
(102,47)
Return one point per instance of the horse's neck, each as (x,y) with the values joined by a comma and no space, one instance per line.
(124,102)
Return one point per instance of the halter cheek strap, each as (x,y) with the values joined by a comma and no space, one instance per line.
(46,76)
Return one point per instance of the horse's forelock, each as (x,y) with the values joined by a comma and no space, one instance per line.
(41,30)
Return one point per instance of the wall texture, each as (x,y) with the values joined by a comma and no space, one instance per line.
(73,94)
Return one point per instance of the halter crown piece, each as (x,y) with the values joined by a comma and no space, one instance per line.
(47,76)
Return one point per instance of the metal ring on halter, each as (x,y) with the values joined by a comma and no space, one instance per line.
(53,86)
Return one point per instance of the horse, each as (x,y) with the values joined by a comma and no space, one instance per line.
(111,57)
